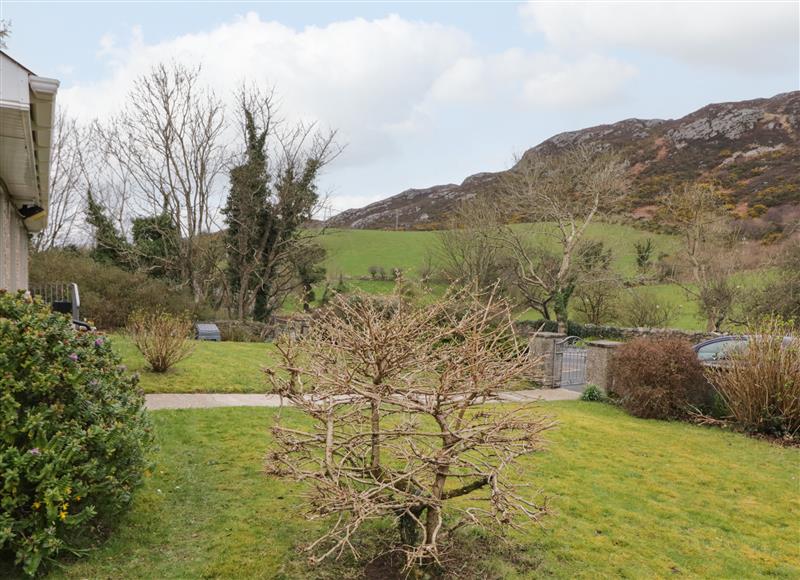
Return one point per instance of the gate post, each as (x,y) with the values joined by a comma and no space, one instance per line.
(543,344)
(598,355)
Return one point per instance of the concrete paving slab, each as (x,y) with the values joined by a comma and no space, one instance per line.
(158,401)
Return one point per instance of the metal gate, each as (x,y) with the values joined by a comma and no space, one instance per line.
(569,363)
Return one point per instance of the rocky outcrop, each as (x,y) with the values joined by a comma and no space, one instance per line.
(751,149)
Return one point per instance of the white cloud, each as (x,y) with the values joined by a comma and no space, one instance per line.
(376,81)
(749,36)
(358,76)
(533,79)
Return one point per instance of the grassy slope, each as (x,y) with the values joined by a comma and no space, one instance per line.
(352,252)
(631,498)
(214,367)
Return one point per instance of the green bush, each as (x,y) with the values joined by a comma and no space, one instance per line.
(109,295)
(593,393)
(74,434)
(659,378)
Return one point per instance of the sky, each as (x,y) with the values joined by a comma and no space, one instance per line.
(423,93)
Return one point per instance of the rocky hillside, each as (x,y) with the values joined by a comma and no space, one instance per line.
(749,148)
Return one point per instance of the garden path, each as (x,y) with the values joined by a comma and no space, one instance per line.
(157,401)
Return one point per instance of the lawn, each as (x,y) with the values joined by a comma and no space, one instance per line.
(213,367)
(630,498)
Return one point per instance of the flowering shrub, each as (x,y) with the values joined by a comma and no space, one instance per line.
(73,434)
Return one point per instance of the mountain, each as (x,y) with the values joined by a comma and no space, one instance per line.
(751,149)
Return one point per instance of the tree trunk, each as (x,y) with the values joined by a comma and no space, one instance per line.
(561,306)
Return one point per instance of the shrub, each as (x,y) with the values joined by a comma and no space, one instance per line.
(74,434)
(643,310)
(377,272)
(163,338)
(760,384)
(593,393)
(109,295)
(658,378)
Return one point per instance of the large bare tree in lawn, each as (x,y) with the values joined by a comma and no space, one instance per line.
(562,194)
(394,391)
(167,141)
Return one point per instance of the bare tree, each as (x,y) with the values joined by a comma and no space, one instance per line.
(468,250)
(167,141)
(5,31)
(562,194)
(697,212)
(67,183)
(394,391)
(598,300)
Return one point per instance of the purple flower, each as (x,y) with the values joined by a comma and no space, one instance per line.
(98,342)
(34,451)
(73,357)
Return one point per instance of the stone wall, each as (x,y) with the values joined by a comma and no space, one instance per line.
(543,345)
(528,328)
(254,331)
(598,356)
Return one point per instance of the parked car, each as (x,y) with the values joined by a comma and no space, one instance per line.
(718,349)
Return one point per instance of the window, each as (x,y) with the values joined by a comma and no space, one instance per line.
(720,349)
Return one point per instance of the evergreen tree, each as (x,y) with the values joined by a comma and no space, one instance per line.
(271,197)
(110,246)
(155,241)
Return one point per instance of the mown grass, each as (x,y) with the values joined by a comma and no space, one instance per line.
(630,498)
(213,367)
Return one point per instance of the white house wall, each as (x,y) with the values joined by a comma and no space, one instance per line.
(13,247)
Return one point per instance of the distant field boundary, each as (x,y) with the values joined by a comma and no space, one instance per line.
(531,327)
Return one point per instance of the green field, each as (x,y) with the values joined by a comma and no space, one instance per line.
(352,252)
(630,498)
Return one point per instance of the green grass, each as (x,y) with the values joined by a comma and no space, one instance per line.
(352,252)
(630,498)
(213,367)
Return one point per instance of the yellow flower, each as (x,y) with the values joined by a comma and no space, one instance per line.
(69,490)
(77,498)
(62,515)
(36,505)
